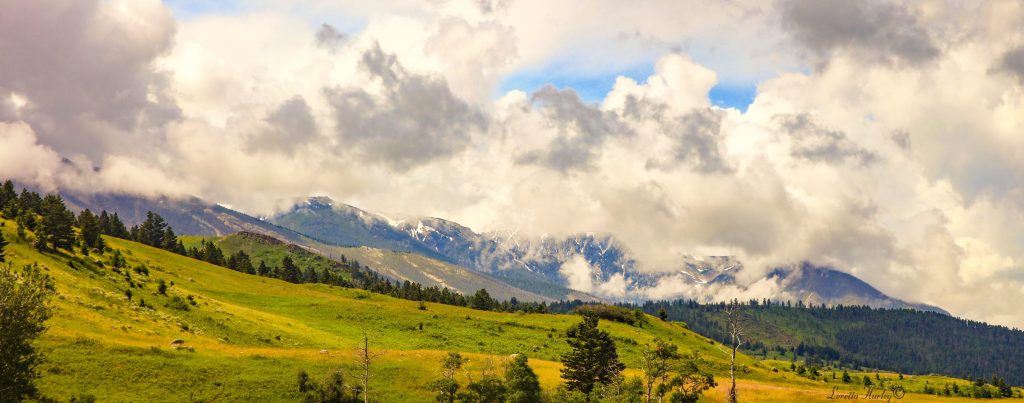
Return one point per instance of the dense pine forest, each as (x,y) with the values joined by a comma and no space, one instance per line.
(903,340)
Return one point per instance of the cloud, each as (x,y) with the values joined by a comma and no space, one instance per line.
(414,119)
(578,274)
(581,129)
(698,137)
(25,160)
(818,144)
(1012,63)
(902,176)
(473,55)
(329,37)
(85,71)
(875,30)
(289,127)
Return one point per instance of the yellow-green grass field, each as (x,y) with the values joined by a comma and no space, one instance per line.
(251,335)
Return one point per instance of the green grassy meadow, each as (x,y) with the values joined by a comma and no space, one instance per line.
(251,335)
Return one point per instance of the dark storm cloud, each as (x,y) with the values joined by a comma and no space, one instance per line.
(815,143)
(416,119)
(878,31)
(90,88)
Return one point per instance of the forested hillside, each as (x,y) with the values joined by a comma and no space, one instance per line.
(904,340)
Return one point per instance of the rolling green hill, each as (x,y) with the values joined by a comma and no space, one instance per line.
(250,335)
(201,219)
(399,266)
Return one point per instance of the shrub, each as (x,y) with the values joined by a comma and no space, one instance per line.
(612,313)
(178,303)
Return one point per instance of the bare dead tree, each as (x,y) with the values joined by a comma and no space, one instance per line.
(732,312)
(365,357)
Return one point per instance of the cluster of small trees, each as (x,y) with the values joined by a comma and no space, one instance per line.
(518,385)
(979,389)
(632,317)
(49,219)
(592,370)
(333,389)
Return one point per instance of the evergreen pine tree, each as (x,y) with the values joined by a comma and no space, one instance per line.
(289,271)
(7,194)
(482,300)
(327,278)
(211,253)
(55,229)
(593,359)
(26,221)
(523,384)
(152,231)
(104,220)
(91,229)
(233,262)
(169,241)
(117,228)
(31,201)
(310,276)
(3,244)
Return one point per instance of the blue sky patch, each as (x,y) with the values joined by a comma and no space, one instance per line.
(590,88)
(594,88)
(186,9)
(733,95)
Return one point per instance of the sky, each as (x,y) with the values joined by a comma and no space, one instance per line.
(882,138)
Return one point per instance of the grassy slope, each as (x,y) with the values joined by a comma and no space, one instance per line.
(251,335)
(270,250)
(395,265)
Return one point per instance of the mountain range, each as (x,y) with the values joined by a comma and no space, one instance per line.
(435,251)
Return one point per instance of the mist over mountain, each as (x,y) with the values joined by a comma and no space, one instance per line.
(587,265)
(597,264)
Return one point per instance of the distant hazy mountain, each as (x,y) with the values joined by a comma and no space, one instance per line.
(339,224)
(434,251)
(537,262)
(817,285)
(193,216)
(343,225)
(188,216)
